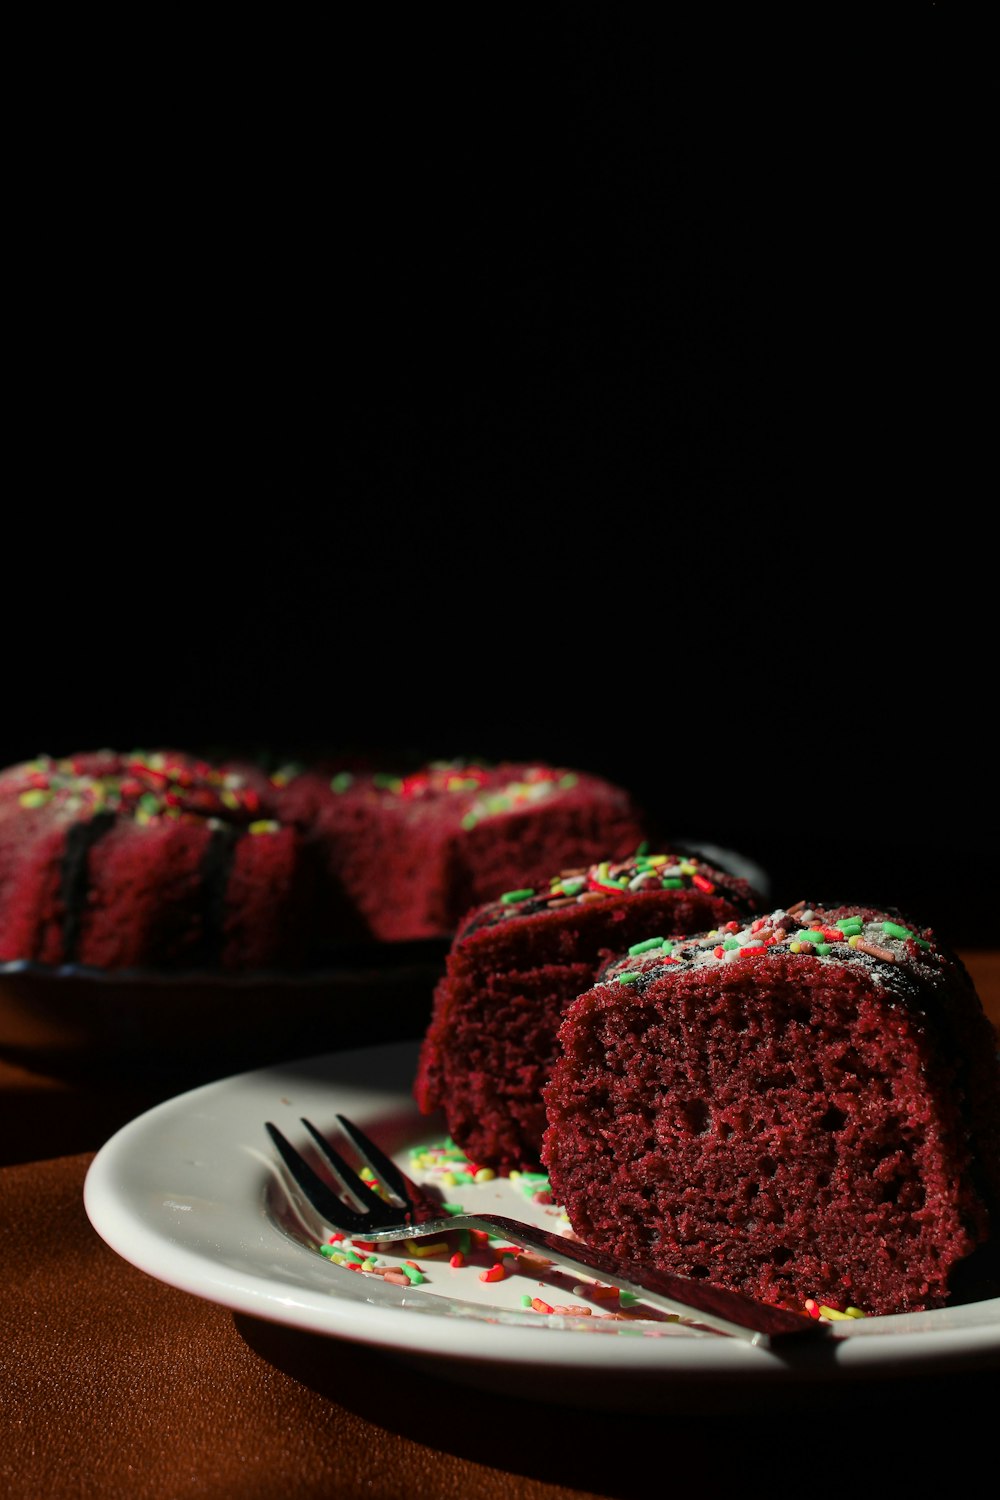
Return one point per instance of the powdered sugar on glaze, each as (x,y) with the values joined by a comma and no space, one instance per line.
(880,940)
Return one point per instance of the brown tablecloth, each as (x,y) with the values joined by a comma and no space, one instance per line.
(113,1384)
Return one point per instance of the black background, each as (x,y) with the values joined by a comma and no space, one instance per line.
(544,388)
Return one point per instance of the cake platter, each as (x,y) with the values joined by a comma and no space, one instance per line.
(190,1193)
(70,1018)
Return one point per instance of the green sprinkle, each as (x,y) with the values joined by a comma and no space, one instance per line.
(341,781)
(730,942)
(627,1299)
(328,1250)
(387,782)
(672,883)
(645,947)
(822,948)
(525,1300)
(570,779)
(921,943)
(629,978)
(149,802)
(452,1208)
(574,886)
(509,897)
(469,821)
(642,849)
(415,1276)
(814,935)
(894,930)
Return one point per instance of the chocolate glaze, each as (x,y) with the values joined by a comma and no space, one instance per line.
(74,879)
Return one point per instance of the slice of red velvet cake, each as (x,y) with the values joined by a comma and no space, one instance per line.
(407,855)
(149,861)
(515,965)
(804,1107)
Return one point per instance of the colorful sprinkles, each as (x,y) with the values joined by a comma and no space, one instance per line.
(443,1165)
(490,797)
(800,929)
(576,887)
(149,788)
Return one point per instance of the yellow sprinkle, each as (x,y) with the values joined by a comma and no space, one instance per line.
(852,942)
(448,1178)
(439,1247)
(514,1176)
(656,859)
(485,1174)
(34,797)
(795,947)
(832,1312)
(264,825)
(854,1312)
(229,798)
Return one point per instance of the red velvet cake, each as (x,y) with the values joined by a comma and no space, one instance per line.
(164,860)
(408,855)
(804,1107)
(149,861)
(514,966)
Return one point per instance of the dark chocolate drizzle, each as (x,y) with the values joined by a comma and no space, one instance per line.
(74,876)
(215,867)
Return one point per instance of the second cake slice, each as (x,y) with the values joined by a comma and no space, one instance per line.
(516,963)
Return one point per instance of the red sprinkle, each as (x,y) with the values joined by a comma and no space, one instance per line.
(495,1273)
(703,884)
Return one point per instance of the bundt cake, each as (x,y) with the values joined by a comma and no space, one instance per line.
(517,962)
(806,1106)
(408,855)
(166,860)
(153,860)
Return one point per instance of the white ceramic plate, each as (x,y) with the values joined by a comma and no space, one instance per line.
(190,1193)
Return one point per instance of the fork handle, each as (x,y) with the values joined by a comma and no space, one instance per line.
(716,1308)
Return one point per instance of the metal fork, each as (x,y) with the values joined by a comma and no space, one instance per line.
(415,1214)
